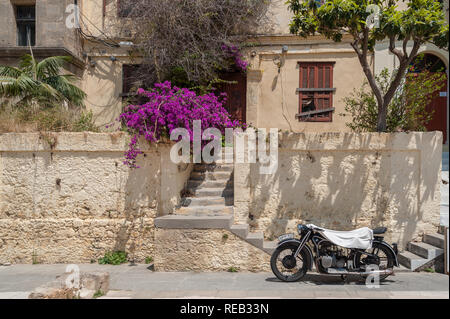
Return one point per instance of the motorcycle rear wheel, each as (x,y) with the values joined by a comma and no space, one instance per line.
(285,266)
(385,260)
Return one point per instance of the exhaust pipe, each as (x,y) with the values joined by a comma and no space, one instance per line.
(379,272)
(373,272)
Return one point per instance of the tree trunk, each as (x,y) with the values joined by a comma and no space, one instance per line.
(382,118)
(362,56)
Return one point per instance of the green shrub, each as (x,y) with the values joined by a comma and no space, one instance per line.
(148,260)
(233,269)
(98,294)
(406,112)
(113,258)
(23,118)
(85,122)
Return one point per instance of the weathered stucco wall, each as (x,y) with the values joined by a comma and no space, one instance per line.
(76,200)
(68,198)
(272,98)
(206,250)
(343,181)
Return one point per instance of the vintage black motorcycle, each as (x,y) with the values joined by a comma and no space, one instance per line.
(339,253)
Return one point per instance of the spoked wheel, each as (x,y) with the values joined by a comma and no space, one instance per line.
(379,255)
(286,266)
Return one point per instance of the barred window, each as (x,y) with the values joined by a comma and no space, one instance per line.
(316,92)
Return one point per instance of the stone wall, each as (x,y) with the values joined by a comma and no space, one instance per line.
(343,181)
(206,250)
(68,197)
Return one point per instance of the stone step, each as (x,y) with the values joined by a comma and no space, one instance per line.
(240,230)
(437,240)
(210,191)
(211,176)
(207,201)
(270,246)
(197,210)
(210,221)
(213,167)
(411,261)
(210,184)
(256,239)
(425,250)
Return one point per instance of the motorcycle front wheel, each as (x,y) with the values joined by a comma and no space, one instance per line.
(285,266)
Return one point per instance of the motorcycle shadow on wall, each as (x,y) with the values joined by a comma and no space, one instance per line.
(359,256)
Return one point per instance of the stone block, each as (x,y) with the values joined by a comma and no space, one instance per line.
(67,286)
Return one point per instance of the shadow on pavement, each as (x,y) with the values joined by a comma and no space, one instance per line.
(320,280)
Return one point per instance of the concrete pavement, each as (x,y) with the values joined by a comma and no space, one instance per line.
(138,281)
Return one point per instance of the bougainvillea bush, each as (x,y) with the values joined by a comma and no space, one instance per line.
(169,108)
(235,53)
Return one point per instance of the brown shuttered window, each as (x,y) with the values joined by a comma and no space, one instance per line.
(316,92)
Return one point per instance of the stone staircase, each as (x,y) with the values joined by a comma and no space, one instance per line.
(256,239)
(207,203)
(209,191)
(420,255)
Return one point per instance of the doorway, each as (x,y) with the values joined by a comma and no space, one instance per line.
(236,104)
(439,103)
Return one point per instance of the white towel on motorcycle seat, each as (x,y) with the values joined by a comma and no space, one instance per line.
(359,238)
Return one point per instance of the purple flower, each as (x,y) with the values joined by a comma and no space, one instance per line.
(234,52)
(169,108)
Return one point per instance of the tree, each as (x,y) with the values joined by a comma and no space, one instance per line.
(189,42)
(408,108)
(422,21)
(40,83)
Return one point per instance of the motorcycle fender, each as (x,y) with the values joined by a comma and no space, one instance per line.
(308,249)
(390,248)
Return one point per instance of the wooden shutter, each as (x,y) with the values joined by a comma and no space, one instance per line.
(316,91)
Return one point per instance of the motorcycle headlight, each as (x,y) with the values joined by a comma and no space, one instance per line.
(301,228)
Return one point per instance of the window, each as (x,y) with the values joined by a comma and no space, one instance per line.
(26,25)
(123,8)
(316,92)
(130,82)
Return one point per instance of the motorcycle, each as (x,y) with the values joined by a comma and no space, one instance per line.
(337,253)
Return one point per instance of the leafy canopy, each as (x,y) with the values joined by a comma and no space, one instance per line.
(423,20)
(407,110)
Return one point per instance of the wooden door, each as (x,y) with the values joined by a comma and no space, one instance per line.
(439,106)
(236,103)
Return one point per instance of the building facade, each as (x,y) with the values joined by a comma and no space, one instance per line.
(293,84)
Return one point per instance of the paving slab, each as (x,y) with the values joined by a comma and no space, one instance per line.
(138,281)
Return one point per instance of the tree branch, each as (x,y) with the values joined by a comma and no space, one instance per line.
(401,72)
(394,50)
(362,56)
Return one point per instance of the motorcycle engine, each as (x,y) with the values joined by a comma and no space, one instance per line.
(331,256)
